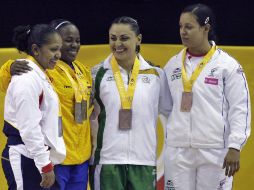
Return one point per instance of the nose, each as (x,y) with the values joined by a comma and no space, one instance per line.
(58,54)
(118,42)
(182,31)
(74,44)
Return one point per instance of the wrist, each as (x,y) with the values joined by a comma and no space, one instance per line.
(47,168)
(234,149)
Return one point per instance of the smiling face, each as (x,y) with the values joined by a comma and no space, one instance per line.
(123,41)
(71,43)
(192,34)
(49,53)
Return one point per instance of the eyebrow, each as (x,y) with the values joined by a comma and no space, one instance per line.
(120,35)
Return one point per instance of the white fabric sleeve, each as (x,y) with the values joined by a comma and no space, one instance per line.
(94,71)
(239,113)
(165,101)
(26,92)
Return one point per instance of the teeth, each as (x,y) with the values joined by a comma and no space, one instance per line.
(119,50)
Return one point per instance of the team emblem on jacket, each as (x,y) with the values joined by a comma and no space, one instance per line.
(211,79)
(222,183)
(213,70)
(146,79)
(110,78)
(170,185)
(80,75)
(177,74)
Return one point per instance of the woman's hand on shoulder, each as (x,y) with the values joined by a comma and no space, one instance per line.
(18,67)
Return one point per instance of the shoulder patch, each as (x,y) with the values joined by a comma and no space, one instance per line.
(150,71)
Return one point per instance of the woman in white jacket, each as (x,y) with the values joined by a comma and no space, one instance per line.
(210,109)
(130,93)
(32,116)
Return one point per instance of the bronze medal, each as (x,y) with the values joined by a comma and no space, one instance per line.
(78,113)
(84,109)
(60,127)
(125,119)
(186,103)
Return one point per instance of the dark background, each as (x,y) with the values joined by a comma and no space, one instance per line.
(158,19)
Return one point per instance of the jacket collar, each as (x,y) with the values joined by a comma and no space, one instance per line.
(180,54)
(143,64)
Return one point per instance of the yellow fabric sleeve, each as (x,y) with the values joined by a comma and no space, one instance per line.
(5,75)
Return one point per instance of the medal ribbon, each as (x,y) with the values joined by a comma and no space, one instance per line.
(187,84)
(125,96)
(80,87)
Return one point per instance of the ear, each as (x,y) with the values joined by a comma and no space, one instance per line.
(139,37)
(207,27)
(35,49)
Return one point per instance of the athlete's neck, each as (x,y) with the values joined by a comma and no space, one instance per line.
(126,64)
(200,50)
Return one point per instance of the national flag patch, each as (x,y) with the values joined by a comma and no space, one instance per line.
(212,81)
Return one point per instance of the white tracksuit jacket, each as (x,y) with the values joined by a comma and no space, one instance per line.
(37,123)
(138,145)
(220,114)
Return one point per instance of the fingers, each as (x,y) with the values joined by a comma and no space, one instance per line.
(235,168)
(19,71)
(22,68)
(226,168)
(231,168)
(19,67)
(238,166)
(224,164)
(48,180)
(47,184)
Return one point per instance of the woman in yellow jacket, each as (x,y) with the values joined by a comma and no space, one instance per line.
(72,82)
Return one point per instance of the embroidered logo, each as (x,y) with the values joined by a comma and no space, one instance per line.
(211,74)
(146,79)
(170,185)
(110,78)
(80,75)
(212,81)
(177,74)
(222,183)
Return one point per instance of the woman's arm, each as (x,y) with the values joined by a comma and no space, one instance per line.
(10,68)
